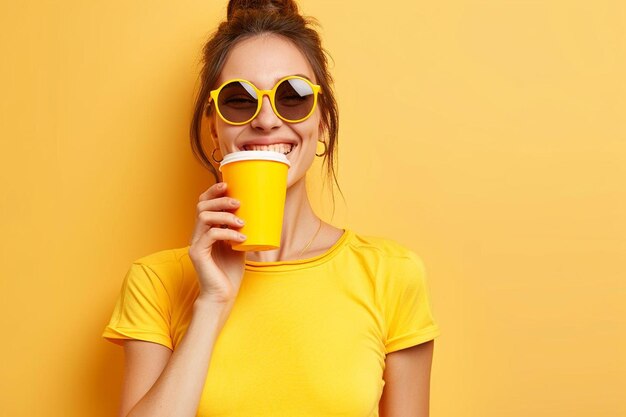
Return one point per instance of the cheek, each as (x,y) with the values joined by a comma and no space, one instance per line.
(226,134)
(312,130)
(309,139)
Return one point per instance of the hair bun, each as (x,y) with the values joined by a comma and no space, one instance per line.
(284,7)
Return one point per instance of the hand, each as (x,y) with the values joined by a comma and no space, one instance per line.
(218,266)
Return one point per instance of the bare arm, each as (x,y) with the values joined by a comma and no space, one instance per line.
(407,382)
(180,375)
(144,362)
(159,383)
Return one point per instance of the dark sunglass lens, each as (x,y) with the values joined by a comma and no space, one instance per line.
(294,99)
(237,101)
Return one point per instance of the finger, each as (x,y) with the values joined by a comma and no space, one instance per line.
(219,218)
(214,234)
(217,204)
(216,190)
(208,219)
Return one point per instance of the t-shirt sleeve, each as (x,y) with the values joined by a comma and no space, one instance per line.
(142,310)
(406,304)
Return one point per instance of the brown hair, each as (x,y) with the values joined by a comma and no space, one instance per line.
(249,18)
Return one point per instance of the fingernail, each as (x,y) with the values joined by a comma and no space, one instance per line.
(242,237)
(239,221)
(234,202)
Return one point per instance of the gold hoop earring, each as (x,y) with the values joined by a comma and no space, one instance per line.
(323,153)
(213,156)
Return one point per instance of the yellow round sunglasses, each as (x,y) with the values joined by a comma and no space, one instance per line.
(238,101)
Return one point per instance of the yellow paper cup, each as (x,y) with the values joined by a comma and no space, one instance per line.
(258,179)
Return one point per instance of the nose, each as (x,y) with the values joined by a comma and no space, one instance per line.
(266,119)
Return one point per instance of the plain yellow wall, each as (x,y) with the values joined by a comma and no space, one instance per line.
(488,136)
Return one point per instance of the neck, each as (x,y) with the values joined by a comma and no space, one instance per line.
(299,225)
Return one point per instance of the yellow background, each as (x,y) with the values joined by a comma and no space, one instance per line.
(488,136)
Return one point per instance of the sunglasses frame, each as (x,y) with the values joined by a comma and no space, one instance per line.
(260,93)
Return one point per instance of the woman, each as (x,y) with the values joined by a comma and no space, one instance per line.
(332,323)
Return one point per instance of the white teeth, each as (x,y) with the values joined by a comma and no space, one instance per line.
(283,148)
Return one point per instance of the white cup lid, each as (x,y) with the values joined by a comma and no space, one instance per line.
(254,156)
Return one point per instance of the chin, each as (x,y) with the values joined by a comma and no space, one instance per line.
(291,181)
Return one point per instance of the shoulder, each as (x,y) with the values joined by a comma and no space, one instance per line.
(382,248)
(396,267)
(166,266)
(162,258)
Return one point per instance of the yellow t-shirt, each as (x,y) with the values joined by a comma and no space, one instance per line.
(304,338)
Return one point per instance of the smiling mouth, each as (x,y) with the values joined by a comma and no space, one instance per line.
(283,148)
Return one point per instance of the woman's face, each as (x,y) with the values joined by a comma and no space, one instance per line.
(263,60)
